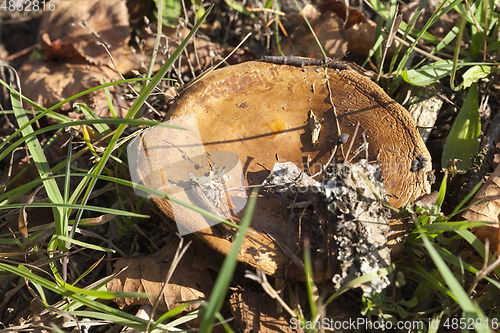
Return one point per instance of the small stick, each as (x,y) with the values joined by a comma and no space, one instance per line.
(267,10)
(352,141)
(302,62)
(339,131)
(396,21)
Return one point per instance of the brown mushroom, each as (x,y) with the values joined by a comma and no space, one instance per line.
(263,112)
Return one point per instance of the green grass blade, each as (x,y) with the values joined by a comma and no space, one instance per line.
(467,305)
(124,122)
(136,322)
(458,43)
(96,293)
(458,209)
(227,270)
(453,259)
(380,8)
(43,168)
(10,241)
(38,288)
(63,291)
(239,7)
(310,288)
(102,128)
(6,203)
(159,24)
(462,141)
(109,99)
(440,227)
(311,29)
(49,111)
(428,74)
(67,177)
(89,270)
(85,245)
(134,109)
(432,282)
(477,245)
(73,206)
(442,192)
(448,39)
(434,17)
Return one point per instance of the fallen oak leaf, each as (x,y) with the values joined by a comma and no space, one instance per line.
(85,23)
(61,49)
(147,274)
(488,210)
(47,83)
(329,30)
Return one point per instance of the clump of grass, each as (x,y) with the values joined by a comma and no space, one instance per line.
(61,233)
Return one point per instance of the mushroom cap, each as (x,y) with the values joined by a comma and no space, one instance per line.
(260,111)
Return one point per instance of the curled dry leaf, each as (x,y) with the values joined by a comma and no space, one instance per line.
(235,108)
(83,24)
(361,38)
(487,210)
(47,83)
(329,30)
(147,274)
(61,49)
(360,31)
(336,34)
(339,8)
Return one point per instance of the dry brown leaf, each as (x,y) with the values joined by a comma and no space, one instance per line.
(329,30)
(47,83)
(255,312)
(359,30)
(85,23)
(61,49)
(339,8)
(496,158)
(361,37)
(147,274)
(487,210)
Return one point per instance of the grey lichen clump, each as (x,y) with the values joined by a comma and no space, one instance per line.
(286,176)
(355,222)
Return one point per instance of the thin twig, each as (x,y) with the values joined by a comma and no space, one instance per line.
(179,253)
(396,21)
(261,278)
(352,141)
(266,10)
(339,131)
